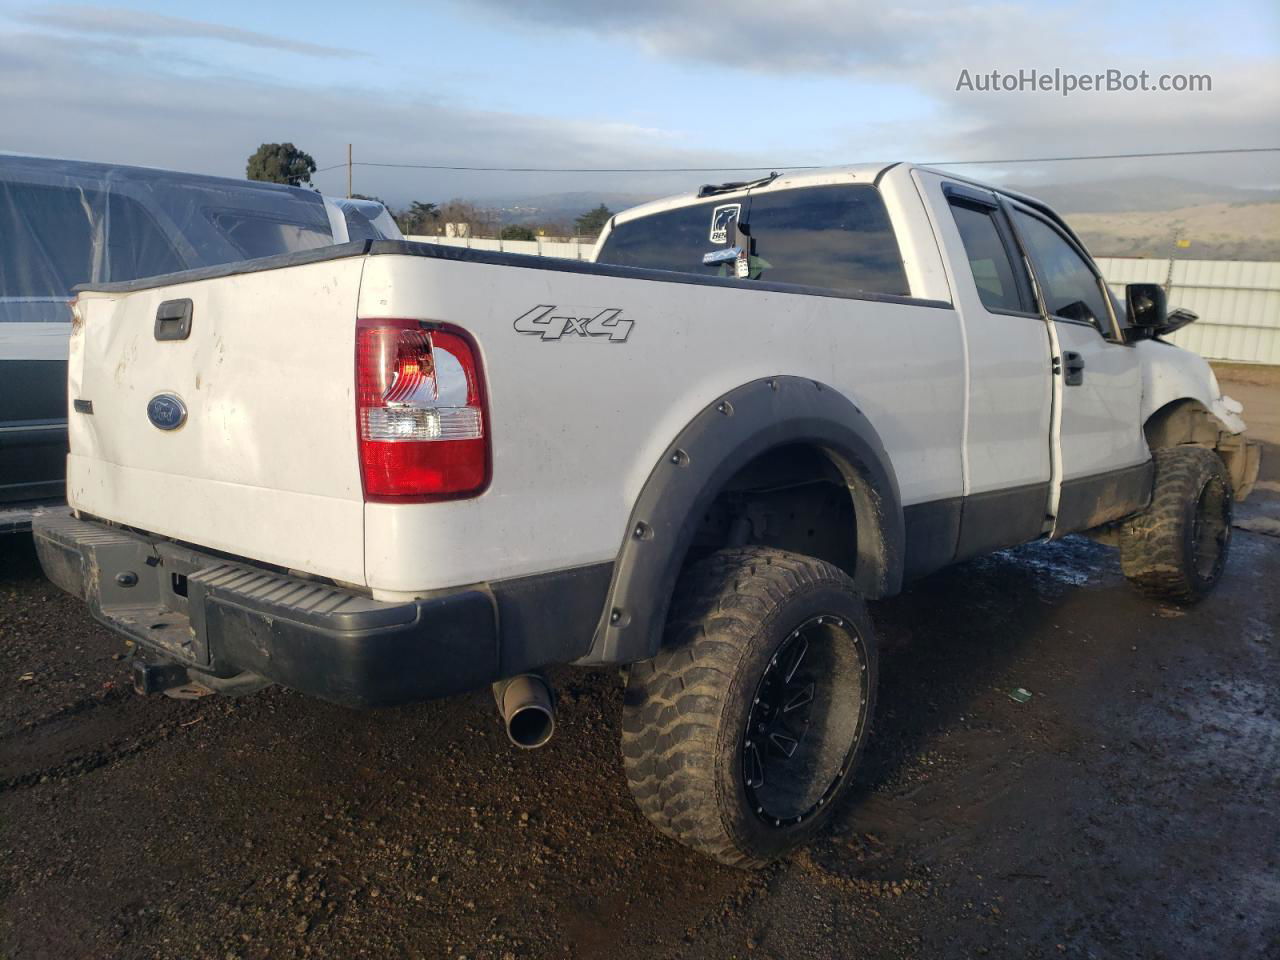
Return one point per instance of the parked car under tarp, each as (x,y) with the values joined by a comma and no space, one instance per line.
(67,222)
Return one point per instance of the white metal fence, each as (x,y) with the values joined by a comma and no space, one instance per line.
(571,248)
(1238,300)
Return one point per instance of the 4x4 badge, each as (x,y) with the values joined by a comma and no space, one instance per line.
(544,321)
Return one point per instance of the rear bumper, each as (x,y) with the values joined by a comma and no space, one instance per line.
(223,619)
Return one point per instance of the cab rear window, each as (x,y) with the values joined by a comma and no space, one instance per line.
(836,237)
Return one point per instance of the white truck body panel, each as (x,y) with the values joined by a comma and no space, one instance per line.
(1170,373)
(579,423)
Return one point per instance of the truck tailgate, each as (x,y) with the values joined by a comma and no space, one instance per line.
(264,465)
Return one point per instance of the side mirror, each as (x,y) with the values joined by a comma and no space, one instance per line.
(1146,305)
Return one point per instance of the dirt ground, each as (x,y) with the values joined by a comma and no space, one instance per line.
(1131,808)
(1258,388)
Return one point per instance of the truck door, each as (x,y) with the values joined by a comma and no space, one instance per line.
(1008,466)
(1102,463)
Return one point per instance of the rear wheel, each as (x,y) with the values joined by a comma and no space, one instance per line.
(740,736)
(1176,549)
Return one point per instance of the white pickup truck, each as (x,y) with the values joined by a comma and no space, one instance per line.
(388,471)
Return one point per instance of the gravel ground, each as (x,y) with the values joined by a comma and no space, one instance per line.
(1130,809)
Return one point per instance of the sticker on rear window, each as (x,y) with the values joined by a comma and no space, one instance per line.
(721,217)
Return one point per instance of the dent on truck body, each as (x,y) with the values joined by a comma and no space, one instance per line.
(1183,404)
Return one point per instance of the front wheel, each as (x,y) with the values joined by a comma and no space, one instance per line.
(740,736)
(1176,549)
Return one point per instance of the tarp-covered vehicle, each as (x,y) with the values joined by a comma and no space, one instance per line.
(67,222)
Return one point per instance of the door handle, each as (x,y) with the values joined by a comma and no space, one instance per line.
(173,320)
(1073,366)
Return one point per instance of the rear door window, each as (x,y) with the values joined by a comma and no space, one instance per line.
(838,237)
(990,259)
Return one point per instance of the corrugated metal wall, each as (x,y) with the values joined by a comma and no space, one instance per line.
(1238,300)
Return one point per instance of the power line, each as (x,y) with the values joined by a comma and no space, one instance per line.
(1109,156)
(791,166)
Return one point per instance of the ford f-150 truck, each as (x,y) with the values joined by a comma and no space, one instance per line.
(388,471)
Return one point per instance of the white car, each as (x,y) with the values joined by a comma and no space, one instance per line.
(398,471)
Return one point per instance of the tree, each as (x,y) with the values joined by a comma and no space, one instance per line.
(593,221)
(418,219)
(281,163)
(517,232)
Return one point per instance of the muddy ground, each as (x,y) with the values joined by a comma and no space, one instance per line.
(1131,808)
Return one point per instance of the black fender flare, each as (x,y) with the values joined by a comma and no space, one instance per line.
(722,439)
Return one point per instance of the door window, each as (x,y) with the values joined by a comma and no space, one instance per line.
(993,268)
(837,237)
(1068,284)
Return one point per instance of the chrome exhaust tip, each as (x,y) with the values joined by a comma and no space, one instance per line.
(527,708)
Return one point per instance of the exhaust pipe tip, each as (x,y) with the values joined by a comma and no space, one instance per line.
(527,708)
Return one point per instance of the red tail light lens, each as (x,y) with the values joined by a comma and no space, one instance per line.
(419,412)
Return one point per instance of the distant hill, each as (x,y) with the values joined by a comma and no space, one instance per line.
(1127,194)
(561,207)
(1214,231)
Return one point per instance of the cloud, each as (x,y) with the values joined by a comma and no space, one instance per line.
(1241,111)
(101,99)
(918,47)
(95,104)
(134,24)
(796,36)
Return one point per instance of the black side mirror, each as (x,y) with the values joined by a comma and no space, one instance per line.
(1146,304)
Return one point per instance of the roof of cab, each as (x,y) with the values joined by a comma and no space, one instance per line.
(871,173)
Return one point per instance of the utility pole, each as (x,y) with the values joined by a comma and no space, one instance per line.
(348,171)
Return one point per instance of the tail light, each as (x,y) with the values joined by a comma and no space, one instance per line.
(420,412)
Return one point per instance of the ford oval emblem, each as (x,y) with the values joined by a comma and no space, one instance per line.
(166,411)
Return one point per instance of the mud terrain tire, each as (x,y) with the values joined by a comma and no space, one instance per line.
(1176,548)
(740,736)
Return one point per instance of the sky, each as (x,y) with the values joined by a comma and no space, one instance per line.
(644,83)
